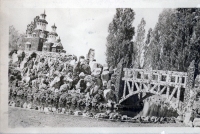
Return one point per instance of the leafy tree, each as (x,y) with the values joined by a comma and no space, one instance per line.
(175,40)
(148,36)
(152,55)
(121,32)
(139,42)
(13,37)
(189,18)
(148,49)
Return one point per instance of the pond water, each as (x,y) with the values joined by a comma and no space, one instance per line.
(20,101)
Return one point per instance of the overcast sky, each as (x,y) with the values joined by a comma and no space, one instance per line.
(81,29)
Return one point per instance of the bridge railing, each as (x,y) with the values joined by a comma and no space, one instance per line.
(157,82)
(171,78)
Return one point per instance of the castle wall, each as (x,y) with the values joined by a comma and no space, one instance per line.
(53,49)
(40,25)
(35,42)
(49,46)
(40,45)
(51,38)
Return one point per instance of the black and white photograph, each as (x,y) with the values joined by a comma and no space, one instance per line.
(119,67)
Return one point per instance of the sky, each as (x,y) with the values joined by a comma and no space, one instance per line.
(81,29)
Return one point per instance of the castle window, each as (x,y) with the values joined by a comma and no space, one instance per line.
(28,47)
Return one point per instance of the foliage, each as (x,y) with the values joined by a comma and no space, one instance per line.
(175,40)
(13,37)
(140,45)
(121,32)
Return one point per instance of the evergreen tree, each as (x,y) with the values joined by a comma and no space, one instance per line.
(175,40)
(139,42)
(148,50)
(121,32)
(148,36)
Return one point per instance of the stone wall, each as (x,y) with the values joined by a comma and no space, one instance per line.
(36,43)
(53,49)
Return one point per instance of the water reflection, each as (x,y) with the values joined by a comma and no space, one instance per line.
(30,103)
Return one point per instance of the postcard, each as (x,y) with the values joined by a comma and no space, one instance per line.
(100,66)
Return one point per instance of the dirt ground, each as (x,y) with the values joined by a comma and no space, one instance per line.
(19,117)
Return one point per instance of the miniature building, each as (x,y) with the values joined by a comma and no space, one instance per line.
(39,39)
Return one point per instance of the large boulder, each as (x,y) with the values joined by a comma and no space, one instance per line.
(196,122)
(187,118)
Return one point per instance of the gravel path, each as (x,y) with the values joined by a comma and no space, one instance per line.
(19,117)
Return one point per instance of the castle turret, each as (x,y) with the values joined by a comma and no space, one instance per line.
(59,40)
(53,28)
(52,34)
(43,15)
(57,46)
(41,23)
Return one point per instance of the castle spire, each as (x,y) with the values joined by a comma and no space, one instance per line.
(59,40)
(43,15)
(54,26)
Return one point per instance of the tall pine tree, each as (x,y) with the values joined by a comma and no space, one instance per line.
(121,32)
(140,44)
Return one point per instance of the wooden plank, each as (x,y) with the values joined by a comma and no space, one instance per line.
(140,86)
(154,82)
(179,91)
(172,94)
(156,71)
(178,96)
(137,87)
(176,79)
(167,93)
(129,87)
(162,90)
(132,87)
(145,87)
(152,89)
(124,93)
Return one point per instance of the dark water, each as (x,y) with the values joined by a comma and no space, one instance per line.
(19,102)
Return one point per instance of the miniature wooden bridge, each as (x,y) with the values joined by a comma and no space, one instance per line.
(158,82)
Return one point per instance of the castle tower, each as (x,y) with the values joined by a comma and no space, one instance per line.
(53,28)
(42,34)
(43,15)
(57,47)
(59,40)
(52,34)
(42,23)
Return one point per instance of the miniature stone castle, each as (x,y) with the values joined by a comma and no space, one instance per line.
(39,39)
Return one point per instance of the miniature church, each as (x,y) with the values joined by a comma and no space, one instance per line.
(39,39)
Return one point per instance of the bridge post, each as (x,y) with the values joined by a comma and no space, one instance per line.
(159,79)
(168,81)
(179,90)
(142,77)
